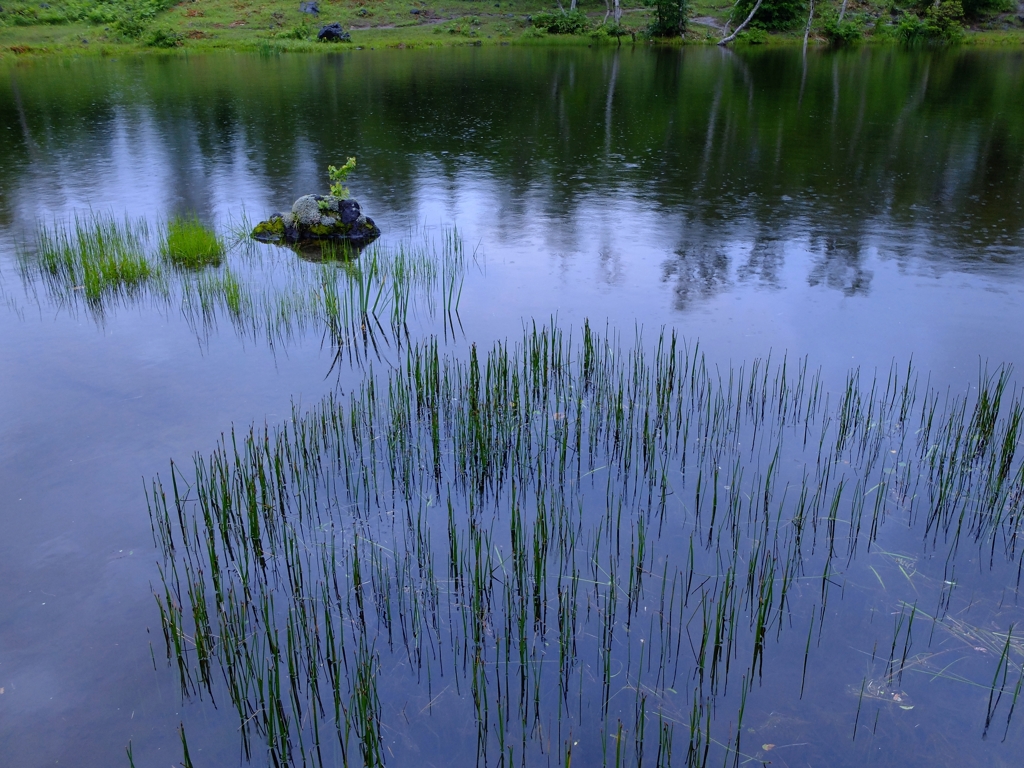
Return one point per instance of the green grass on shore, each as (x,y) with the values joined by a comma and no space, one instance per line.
(109,27)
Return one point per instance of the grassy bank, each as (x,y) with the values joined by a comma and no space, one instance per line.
(108,27)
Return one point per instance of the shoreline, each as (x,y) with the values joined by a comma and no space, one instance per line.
(207,26)
(11,52)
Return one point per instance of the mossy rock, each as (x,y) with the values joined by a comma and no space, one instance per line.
(270,230)
(332,219)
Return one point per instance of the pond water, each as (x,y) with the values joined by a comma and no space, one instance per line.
(845,546)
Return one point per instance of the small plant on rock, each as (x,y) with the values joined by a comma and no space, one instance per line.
(338,176)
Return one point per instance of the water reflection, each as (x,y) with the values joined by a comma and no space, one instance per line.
(696,273)
(927,148)
(840,266)
(627,186)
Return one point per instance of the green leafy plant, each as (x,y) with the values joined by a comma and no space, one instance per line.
(973,9)
(134,16)
(102,14)
(846,32)
(338,176)
(21,13)
(753,36)
(129,26)
(467,26)
(163,38)
(301,32)
(610,29)
(571,23)
(941,24)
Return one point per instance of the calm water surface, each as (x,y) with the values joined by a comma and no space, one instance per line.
(856,209)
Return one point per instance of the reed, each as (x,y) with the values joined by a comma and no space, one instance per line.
(358,301)
(97,254)
(549,536)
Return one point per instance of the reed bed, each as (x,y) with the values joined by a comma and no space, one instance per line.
(358,299)
(560,549)
(97,254)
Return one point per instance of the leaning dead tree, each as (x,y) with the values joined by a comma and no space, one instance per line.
(741,27)
(807,29)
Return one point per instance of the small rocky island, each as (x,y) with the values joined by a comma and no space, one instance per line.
(319,217)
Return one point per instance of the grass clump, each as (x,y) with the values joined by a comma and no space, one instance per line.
(191,244)
(97,255)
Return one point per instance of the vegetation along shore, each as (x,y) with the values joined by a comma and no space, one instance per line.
(110,27)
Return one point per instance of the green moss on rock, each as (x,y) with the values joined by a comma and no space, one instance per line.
(272,229)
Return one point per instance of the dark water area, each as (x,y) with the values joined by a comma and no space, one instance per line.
(856,209)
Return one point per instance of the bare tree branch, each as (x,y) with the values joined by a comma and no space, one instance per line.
(728,21)
(730,38)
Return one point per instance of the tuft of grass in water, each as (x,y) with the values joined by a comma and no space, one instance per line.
(96,254)
(191,244)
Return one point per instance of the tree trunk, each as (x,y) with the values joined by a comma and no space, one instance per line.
(842,12)
(730,38)
(807,29)
(618,12)
(607,11)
